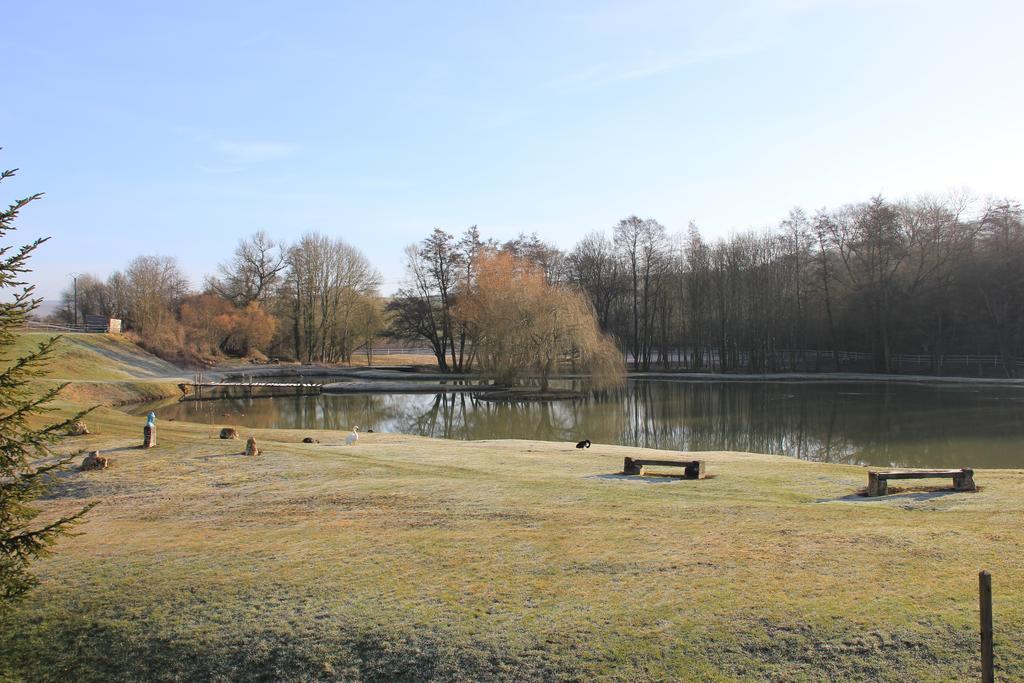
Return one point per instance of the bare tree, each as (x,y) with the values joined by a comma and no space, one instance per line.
(153,287)
(253,271)
(641,244)
(593,267)
(998,276)
(436,270)
(326,283)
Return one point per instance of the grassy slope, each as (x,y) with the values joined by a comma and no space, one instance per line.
(104,369)
(411,558)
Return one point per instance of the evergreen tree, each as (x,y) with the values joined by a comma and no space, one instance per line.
(26,460)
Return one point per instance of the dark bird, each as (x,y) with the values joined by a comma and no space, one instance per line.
(583,444)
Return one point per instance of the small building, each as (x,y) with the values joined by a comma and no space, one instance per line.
(101,323)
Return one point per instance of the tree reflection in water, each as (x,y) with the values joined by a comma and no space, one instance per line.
(874,423)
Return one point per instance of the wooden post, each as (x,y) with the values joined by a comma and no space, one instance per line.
(876,485)
(965,480)
(148,438)
(694,470)
(985,599)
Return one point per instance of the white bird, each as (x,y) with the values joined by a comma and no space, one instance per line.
(353,437)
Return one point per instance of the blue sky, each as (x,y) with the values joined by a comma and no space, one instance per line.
(179,127)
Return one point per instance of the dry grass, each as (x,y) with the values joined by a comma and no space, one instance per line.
(359,360)
(102,369)
(97,357)
(410,558)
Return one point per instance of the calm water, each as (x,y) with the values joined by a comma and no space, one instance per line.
(873,423)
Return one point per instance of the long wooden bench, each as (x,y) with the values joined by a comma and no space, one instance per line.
(963,479)
(693,469)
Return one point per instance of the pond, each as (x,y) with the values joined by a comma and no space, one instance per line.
(866,422)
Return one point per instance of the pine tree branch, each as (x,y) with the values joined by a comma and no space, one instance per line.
(34,542)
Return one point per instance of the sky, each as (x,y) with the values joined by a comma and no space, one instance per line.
(178,128)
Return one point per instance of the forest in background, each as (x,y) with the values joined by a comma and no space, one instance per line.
(853,288)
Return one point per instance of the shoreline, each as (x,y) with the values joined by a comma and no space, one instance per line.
(812,377)
(413,375)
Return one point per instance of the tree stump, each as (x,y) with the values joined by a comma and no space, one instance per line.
(228,433)
(77,428)
(148,436)
(250,446)
(94,461)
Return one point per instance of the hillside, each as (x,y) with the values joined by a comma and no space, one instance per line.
(410,558)
(104,369)
(97,357)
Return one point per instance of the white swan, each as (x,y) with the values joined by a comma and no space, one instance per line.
(353,437)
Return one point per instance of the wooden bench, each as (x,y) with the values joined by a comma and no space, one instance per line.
(963,479)
(693,469)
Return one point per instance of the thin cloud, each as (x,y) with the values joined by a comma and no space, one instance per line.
(255,152)
(606,74)
(219,170)
(782,7)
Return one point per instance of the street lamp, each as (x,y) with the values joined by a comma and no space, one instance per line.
(74,278)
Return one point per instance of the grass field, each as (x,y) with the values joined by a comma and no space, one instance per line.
(103,369)
(405,558)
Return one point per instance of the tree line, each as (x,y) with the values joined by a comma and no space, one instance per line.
(316,300)
(931,276)
(927,275)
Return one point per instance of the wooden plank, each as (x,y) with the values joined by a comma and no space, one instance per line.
(917,475)
(202,390)
(255,384)
(666,463)
(936,472)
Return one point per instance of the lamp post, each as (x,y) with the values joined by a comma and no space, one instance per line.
(74,279)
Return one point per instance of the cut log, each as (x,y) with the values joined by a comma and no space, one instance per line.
(77,428)
(94,461)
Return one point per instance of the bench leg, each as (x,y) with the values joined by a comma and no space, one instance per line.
(630,467)
(876,485)
(694,470)
(965,481)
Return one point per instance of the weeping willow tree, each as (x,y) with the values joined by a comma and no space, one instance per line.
(26,461)
(524,329)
